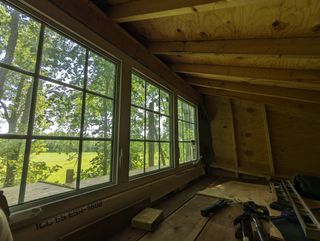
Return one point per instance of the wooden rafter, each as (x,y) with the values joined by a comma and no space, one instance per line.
(291,46)
(143,9)
(268,91)
(314,107)
(296,79)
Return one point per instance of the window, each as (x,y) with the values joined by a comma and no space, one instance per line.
(150,127)
(56,111)
(187,131)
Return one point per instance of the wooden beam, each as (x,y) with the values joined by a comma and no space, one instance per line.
(307,96)
(87,14)
(143,9)
(297,79)
(308,107)
(268,140)
(290,46)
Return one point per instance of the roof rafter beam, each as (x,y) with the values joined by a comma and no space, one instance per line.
(296,79)
(267,91)
(260,98)
(143,10)
(286,46)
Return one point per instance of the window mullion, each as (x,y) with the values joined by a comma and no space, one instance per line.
(83,109)
(23,184)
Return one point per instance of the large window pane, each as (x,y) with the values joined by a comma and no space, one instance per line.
(18,39)
(164,103)
(98,116)
(62,59)
(152,98)
(164,155)
(164,128)
(52,168)
(101,75)
(96,163)
(15,100)
(136,165)
(152,156)
(58,110)
(137,123)
(188,145)
(152,126)
(137,91)
(150,123)
(11,162)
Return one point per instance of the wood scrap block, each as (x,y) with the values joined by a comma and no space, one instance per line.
(147,219)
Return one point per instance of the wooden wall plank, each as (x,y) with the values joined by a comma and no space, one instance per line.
(234,143)
(221,129)
(268,140)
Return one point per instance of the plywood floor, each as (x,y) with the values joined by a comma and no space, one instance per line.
(183,220)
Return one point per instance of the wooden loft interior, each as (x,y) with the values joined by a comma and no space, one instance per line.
(250,70)
(255,62)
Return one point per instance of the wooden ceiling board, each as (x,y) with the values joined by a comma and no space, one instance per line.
(247,60)
(274,19)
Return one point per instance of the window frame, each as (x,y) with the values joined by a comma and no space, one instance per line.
(196,130)
(29,135)
(171,141)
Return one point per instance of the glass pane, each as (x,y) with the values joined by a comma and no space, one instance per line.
(192,113)
(164,155)
(96,163)
(152,156)
(152,97)
(101,75)
(180,110)
(52,168)
(182,153)
(58,110)
(15,98)
(98,116)
(62,59)
(186,113)
(11,162)
(164,103)
(164,128)
(152,126)
(181,130)
(188,149)
(137,91)
(18,39)
(137,123)
(136,165)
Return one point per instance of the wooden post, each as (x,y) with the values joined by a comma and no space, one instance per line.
(234,141)
(268,141)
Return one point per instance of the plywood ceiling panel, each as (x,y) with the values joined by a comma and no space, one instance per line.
(273,19)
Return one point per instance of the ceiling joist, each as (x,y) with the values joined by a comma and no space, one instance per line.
(143,9)
(296,79)
(260,98)
(291,46)
(267,91)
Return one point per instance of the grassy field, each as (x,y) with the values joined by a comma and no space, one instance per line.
(67,161)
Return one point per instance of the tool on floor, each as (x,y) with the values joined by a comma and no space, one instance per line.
(253,213)
(206,212)
(286,193)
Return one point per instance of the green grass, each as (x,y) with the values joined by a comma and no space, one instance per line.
(64,160)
